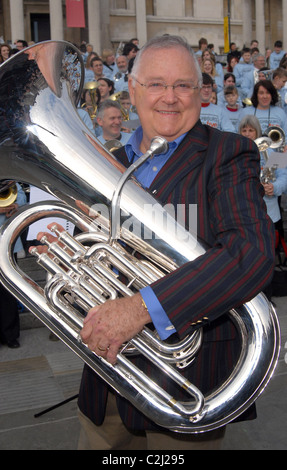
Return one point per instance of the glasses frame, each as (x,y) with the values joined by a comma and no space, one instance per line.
(165,87)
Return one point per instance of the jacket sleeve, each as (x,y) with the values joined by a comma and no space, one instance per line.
(240,262)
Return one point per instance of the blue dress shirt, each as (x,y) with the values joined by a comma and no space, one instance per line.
(145,175)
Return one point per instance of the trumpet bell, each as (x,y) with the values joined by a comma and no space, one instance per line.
(113,145)
(91,85)
(276,135)
(8,195)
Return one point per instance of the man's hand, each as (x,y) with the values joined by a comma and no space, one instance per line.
(269,189)
(9,210)
(108,326)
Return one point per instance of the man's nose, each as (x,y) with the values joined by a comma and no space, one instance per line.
(169,94)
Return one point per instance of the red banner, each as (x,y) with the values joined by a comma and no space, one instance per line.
(75,13)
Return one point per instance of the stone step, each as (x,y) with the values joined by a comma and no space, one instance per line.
(30,266)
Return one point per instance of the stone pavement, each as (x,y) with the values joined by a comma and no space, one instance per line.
(43,373)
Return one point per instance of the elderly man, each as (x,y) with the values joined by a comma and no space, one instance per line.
(220,173)
(121,78)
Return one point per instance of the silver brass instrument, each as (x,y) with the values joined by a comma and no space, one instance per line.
(92,87)
(113,145)
(117,98)
(44,143)
(274,138)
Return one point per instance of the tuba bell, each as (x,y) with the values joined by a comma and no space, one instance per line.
(44,143)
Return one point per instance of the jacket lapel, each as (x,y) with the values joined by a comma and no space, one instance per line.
(185,159)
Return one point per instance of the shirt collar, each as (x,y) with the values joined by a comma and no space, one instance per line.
(133,145)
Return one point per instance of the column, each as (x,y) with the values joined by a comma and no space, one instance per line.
(141,22)
(94,23)
(260,24)
(247,22)
(56,20)
(17,20)
(284,21)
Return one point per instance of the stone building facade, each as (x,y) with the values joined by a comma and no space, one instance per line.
(110,22)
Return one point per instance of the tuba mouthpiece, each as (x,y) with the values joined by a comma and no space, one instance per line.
(159,145)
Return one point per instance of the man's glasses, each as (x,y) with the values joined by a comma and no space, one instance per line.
(180,88)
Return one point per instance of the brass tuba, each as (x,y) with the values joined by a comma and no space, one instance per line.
(44,143)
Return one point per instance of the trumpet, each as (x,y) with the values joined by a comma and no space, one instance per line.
(8,193)
(92,87)
(117,97)
(274,138)
(113,145)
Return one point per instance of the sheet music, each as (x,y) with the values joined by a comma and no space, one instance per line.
(277,158)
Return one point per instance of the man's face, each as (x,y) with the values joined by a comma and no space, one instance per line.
(97,68)
(205,93)
(111,123)
(279,82)
(231,98)
(260,63)
(19,46)
(246,57)
(229,81)
(122,64)
(167,114)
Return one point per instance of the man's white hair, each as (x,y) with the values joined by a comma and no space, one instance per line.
(166,42)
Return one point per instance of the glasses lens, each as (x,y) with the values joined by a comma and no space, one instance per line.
(181,88)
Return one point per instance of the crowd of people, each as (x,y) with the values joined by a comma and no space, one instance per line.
(186,98)
(248,84)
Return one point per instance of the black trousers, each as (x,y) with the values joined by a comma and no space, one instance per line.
(9,316)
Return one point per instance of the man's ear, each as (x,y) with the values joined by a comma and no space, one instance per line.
(131,90)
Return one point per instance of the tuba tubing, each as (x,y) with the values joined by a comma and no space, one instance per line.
(44,143)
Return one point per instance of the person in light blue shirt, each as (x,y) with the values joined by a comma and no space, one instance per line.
(110,119)
(249,79)
(211,114)
(229,80)
(273,189)
(85,117)
(110,66)
(242,68)
(276,55)
(250,127)
(232,108)
(264,100)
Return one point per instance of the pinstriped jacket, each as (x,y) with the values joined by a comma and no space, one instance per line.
(220,173)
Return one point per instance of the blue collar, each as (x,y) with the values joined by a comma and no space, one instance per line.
(149,170)
(133,145)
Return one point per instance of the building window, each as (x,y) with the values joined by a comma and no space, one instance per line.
(119,4)
(150,7)
(189,8)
